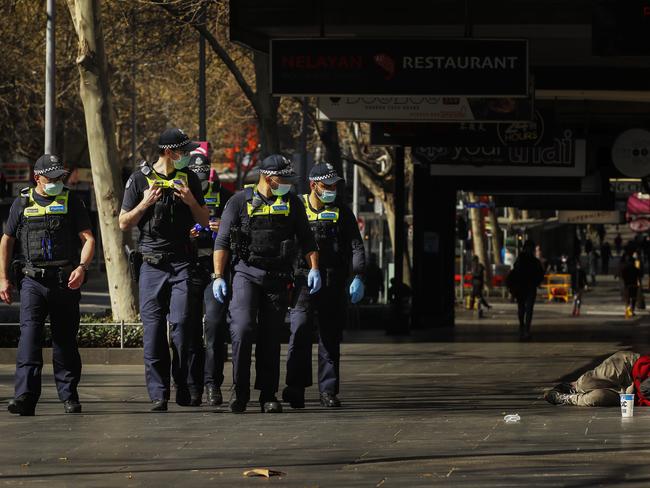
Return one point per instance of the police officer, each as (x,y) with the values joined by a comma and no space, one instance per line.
(51,224)
(261,224)
(206,364)
(164,200)
(340,249)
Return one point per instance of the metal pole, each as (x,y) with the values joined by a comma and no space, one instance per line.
(399,325)
(50,72)
(202,98)
(134,105)
(122,334)
(462,271)
(355,190)
(303,185)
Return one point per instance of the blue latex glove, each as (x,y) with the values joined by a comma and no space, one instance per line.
(357,290)
(313,281)
(219,289)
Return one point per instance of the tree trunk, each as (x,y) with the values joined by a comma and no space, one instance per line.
(496,234)
(478,237)
(100,130)
(268,106)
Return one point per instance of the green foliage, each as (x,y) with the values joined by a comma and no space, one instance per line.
(99,335)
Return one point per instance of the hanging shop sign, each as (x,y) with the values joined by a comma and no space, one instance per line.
(590,217)
(534,132)
(631,153)
(539,148)
(442,67)
(425,109)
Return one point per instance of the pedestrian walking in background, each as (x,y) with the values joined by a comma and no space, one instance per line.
(593,265)
(578,285)
(374,280)
(478,283)
(526,275)
(618,244)
(630,278)
(605,256)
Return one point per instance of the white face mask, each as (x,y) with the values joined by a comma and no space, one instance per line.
(326,196)
(282,189)
(53,189)
(182,161)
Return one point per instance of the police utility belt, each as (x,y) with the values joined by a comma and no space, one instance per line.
(158,258)
(60,273)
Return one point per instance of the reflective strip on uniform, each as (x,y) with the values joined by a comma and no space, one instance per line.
(155,180)
(330,214)
(59,206)
(279,207)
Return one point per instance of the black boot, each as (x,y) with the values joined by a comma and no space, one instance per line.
(183,397)
(294,396)
(269,403)
(329,400)
(159,406)
(238,401)
(72,406)
(213,396)
(24,405)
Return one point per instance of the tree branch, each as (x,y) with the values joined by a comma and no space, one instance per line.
(218,49)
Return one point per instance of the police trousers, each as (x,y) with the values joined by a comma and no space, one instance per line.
(38,298)
(206,361)
(330,304)
(163,297)
(258,305)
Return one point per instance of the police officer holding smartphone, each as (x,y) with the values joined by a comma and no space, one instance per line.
(164,200)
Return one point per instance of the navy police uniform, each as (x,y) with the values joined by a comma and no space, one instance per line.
(47,229)
(163,279)
(262,233)
(341,250)
(206,362)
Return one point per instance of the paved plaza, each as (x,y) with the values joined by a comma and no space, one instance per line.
(422,410)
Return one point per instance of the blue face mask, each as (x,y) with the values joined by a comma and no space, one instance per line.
(327,196)
(53,189)
(282,189)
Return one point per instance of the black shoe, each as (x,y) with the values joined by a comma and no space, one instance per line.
(213,396)
(159,406)
(329,400)
(195,401)
(183,397)
(238,402)
(270,404)
(72,406)
(23,406)
(525,336)
(294,396)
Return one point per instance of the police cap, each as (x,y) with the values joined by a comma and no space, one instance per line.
(277,165)
(324,173)
(49,166)
(177,140)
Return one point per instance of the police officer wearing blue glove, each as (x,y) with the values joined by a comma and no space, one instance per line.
(261,225)
(51,224)
(206,363)
(165,200)
(340,251)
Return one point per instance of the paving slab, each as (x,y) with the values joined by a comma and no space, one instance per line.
(418,411)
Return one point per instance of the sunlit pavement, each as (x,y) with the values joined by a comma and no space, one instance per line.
(421,410)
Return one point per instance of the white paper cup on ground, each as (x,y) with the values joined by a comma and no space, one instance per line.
(627,405)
